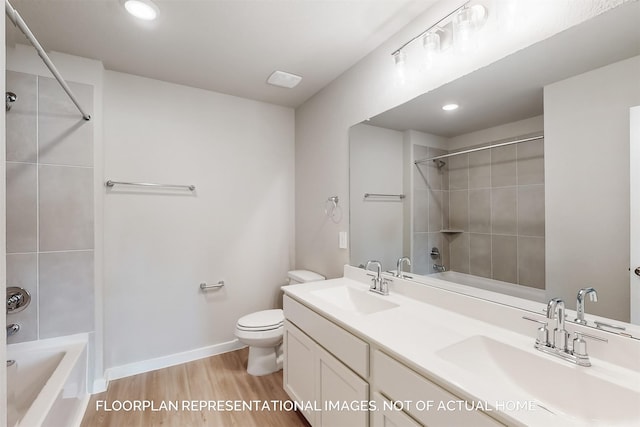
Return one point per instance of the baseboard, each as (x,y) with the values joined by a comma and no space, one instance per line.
(123,371)
(99,385)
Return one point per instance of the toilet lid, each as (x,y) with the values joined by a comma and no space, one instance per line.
(261,320)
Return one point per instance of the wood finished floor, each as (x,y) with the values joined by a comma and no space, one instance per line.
(221,377)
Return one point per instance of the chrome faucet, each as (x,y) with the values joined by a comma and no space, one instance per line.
(555,310)
(593,296)
(379,285)
(401,261)
(556,343)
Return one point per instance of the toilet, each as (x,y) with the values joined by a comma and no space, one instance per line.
(262,331)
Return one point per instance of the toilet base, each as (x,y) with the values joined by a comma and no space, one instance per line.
(264,360)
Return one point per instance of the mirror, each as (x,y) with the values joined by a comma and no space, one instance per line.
(537,219)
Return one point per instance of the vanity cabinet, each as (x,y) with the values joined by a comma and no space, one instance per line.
(325,365)
(390,417)
(399,383)
(316,378)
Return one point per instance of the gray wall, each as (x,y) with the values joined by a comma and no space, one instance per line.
(587,185)
(50,214)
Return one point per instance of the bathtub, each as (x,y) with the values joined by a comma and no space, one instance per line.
(505,288)
(46,386)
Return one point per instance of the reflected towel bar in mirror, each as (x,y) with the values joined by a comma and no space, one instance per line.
(370,195)
(110,184)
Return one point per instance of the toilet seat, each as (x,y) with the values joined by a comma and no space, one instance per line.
(265,320)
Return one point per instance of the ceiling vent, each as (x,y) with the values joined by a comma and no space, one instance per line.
(284,79)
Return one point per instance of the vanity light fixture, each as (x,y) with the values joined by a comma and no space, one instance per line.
(431,44)
(465,24)
(142,9)
(465,20)
(399,59)
(284,79)
(450,107)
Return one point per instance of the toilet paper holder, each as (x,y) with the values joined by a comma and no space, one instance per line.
(205,287)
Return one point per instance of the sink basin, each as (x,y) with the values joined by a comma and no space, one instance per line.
(558,387)
(355,300)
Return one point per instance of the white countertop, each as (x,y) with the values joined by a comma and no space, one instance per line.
(423,336)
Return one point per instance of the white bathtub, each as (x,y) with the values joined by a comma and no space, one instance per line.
(46,386)
(505,288)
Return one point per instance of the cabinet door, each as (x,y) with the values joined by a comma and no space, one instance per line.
(389,417)
(342,394)
(299,368)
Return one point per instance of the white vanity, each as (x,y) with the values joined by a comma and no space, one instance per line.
(427,356)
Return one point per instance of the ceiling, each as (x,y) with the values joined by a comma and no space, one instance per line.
(227,46)
(511,89)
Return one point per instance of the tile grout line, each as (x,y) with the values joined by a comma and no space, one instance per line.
(38,207)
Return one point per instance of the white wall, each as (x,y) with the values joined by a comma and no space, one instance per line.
(587,190)
(376,223)
(371,86)
(159,246)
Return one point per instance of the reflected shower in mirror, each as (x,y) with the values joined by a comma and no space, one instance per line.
(524,188)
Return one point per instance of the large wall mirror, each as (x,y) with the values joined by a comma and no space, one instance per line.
(540,217)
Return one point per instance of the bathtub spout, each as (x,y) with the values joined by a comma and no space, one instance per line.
(12,329)
(439,268)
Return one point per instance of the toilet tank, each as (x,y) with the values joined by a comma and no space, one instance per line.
(303,276)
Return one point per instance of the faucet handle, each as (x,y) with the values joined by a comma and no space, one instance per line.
(592,337)
(580,345)
(542,336)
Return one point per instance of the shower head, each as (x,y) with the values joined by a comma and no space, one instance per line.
(10,99)
(439,163)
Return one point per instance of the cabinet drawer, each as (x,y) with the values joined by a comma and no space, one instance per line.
(349,349)
(400,383)
(384,417)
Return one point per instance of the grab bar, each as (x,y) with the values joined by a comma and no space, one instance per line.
(205,287)
(111,183)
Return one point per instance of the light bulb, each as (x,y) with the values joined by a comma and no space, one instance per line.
(431,43)
(142,9)
(399,59)
(463,29)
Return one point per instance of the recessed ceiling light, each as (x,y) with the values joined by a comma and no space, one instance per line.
(450,107)
(284,79)
(142,9)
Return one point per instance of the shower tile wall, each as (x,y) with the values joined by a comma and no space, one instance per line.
(50,207)
(496,197)
(430,211)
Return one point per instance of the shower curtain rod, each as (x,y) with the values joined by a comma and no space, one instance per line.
(502,144)
(17,20)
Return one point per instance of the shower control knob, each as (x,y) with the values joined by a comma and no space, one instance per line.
(637,271)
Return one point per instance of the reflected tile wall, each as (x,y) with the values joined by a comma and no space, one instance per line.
(50,207)
(497,197)
(430,210)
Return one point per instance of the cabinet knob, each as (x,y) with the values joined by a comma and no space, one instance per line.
(637,271)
